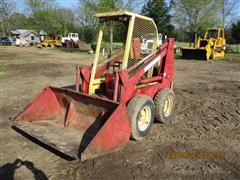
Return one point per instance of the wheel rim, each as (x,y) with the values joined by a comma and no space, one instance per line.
(144,118)
(168,106)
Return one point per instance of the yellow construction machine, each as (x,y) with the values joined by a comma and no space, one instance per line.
(211,46)
(53,41)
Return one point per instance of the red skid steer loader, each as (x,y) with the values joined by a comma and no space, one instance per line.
(116,98)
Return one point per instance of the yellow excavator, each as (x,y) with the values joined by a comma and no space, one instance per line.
(212,46)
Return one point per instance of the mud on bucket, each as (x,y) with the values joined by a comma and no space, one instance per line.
(75,124)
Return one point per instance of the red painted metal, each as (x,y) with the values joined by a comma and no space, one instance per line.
(45,105)
(142,61)
(114,135)
(136,47)
(152,79)
(73,120)
(84,126)
(169,65)
(71,114)
(106,66)
(85,73)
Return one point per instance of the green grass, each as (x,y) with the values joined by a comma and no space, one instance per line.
(181,44)
(234,48)
(117,45)
(232,56)
(228,57)
(74,50)
(177,56)
(3,70)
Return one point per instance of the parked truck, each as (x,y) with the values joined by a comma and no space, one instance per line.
(71,41)
(147,42)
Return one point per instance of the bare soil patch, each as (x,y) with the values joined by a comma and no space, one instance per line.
(207,119)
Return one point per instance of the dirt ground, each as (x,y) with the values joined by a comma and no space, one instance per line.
(207,120)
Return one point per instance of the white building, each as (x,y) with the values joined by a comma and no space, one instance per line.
(30,37)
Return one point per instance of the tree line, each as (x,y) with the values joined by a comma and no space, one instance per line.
(183,19)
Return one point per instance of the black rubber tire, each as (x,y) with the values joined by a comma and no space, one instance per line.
(133,108)
(159,101)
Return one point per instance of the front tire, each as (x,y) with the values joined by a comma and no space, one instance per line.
(141,114)
(164,104)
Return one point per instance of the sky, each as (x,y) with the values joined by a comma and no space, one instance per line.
(67,3)
(73,3)
(62,3)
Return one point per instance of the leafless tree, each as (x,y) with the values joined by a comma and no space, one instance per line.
(228,11)
(7,8)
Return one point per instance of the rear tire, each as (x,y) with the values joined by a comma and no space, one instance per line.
(141,114)
(164,105)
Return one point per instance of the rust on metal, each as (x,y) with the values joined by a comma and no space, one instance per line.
(91,119)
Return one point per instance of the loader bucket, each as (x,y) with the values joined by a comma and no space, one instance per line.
(193,53)
(75,124)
